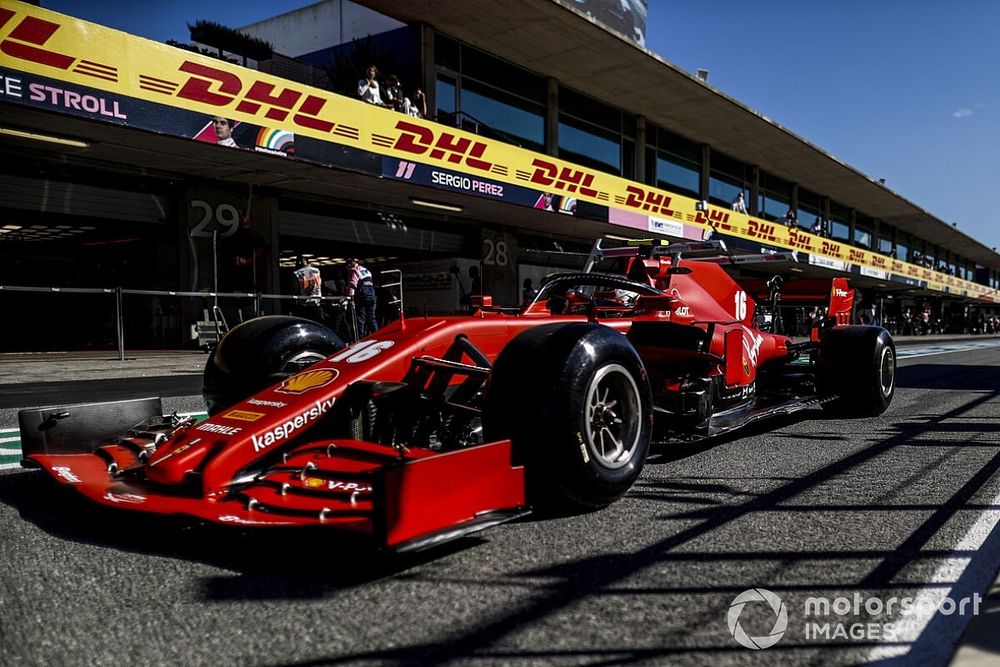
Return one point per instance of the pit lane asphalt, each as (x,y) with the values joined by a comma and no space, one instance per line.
(902,505)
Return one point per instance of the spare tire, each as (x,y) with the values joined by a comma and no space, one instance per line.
(856,368)
(261,352)
(576,404)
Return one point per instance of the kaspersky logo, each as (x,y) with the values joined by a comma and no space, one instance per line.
(736,610)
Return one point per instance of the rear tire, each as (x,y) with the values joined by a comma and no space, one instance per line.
(576,404)
(856,366)
(261,352)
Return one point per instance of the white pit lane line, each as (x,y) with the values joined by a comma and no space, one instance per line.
(905,352)
(964,578)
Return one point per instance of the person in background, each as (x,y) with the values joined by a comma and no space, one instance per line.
(392,93)
(224,131)
(368,88)
(789,219)
(361,288)
(310,285)
(739,205)
(418,107)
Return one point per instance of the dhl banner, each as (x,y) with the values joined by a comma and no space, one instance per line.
(130,75)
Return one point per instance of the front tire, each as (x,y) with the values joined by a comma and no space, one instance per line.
(261,352)
(576,404)
(856,367)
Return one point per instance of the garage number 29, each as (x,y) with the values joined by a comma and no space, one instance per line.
(363,351)
(740,306)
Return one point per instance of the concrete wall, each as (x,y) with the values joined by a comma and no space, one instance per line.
(320,26)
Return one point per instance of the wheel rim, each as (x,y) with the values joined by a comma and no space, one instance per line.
(887,371)
(613,421)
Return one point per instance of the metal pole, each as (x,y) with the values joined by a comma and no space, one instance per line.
(119,324)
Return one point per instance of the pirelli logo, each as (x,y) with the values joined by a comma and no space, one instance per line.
(243,415)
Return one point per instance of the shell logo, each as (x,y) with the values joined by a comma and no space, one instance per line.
(314,482)
(303,382)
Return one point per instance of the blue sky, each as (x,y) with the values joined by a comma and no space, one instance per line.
(904,90)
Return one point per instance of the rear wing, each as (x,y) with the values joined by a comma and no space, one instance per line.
(656,248)
(841,302)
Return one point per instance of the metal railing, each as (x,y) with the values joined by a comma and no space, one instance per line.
(159,322)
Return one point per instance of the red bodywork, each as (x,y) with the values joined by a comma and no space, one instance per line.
(254,464)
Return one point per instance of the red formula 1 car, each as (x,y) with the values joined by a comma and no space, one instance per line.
(436,427)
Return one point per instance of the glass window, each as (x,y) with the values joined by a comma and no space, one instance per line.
(727,178)
(503,75)
(839,229)
(677,163)
(522,121)
(862,236)
(446,52)
(588,109)
(628,159)
(775,197)
(902,252)
(445,95)
(677,175)
(884,245)
(808,213)
(588,145)
(723,190)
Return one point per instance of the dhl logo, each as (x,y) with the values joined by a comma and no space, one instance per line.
(856,256)
(897,266)
(878,261)
(800,240)
(223,89)
(419,140)
(549,175)
(761,230)
(29,35)
(715,219)
(833,249)
(648,200)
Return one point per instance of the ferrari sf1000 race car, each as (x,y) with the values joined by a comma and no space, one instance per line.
(436,427)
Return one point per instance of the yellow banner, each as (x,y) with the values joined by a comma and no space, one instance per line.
(60,47)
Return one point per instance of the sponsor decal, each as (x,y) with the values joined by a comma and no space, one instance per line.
(843,294)
(313,482)
(114,77)
(349,486)
(308,380)
(267,404)
(220,429)
(652,201)
(275,142)
(183,448)
(67,474)
(668,227)
(243,415)
(682,311)
(127,498)
(285,430)
(751,345)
